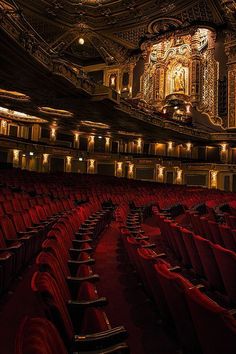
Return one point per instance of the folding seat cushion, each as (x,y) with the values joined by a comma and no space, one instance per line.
(173,286)
(188,238)
(227,237)
(215,326)
(94,322)
(38,336)
(226,261)
(209,263)
(215,232)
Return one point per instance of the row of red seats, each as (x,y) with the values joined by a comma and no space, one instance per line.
(222,234)
(201,324)
(24,223)
(66,283)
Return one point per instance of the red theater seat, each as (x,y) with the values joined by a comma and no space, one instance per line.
(94,330)
(215,327)
(226,261)
(173,286)
(38,336)
(209,262)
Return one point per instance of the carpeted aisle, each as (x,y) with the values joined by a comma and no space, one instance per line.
(128,304)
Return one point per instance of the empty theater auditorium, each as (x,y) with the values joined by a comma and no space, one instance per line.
(118,176)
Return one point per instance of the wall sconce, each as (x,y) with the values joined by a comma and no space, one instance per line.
(107,141)
(91,163)
(170,145)
(53,133)
(119,166)
(76,137)
(91,139)
(188,146)
(213,178)
(179,174)
(160,174)
(131,168)
(223,147)
(16,154)
(45,158)
(68,160)
(188,109)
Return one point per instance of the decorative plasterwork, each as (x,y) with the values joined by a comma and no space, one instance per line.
(20,116)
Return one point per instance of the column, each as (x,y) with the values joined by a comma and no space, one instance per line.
(35,133)
(195,68)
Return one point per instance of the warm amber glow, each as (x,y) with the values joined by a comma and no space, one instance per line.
(16,154)
(213,178)
(45,158)
(20,116)
(53,133)
(170,145)
(224,147)
(188,146)
(55,111)
(14,95)
(91,139)
(94,124)
(107,141)
(68,160)
(76,136)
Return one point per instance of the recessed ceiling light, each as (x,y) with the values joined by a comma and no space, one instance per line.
(81,41)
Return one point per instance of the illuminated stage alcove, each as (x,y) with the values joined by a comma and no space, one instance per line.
(181,72)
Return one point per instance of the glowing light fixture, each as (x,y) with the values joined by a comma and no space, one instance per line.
(81,41)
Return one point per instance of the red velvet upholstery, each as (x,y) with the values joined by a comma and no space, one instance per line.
(226,261)
(215,327)
(38,336)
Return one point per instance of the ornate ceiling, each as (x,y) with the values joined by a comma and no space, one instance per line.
(113,29)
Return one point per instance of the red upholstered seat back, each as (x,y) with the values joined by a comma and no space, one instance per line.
(216,328)
(55,306)
(38,336)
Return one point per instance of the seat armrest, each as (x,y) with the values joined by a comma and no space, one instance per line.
(97,340)
(73,265)
(77,243)
(74,253)
(175,269)
(78,280)
(150,245)
(80,305)
(4,255)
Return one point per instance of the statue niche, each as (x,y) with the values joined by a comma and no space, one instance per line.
(179,80)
